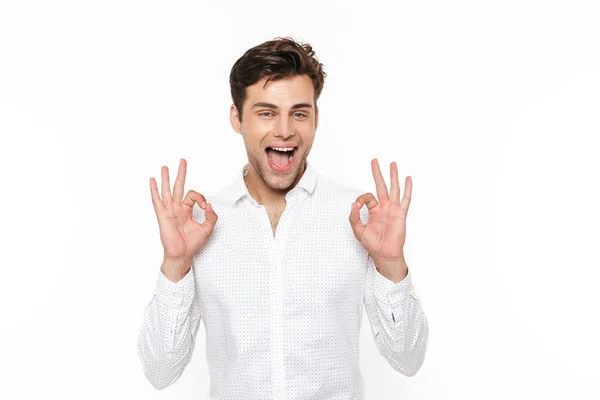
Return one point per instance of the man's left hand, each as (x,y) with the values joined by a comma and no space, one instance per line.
(384,234)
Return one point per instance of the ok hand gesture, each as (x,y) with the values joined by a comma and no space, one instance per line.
(384,234)
(180,234)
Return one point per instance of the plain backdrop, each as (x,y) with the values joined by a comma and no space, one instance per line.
(491,106)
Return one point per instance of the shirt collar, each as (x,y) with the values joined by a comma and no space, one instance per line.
(238,189)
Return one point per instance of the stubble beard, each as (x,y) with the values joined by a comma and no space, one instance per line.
(272,179)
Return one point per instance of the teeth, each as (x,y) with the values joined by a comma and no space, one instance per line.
(283,148)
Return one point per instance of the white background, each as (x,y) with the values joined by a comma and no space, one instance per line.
(491,107)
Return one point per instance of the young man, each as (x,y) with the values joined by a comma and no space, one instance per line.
(279,264)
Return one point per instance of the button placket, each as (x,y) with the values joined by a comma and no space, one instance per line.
(275,286)
(279,244)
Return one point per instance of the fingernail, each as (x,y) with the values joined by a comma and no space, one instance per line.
(203,204)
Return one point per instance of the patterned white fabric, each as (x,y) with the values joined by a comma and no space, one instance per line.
(282,314)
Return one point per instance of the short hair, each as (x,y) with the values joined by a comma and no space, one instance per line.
(278,58)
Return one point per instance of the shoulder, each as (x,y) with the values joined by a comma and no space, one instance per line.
(338,195)
(331,188)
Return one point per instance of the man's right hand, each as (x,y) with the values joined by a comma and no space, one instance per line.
(180,234)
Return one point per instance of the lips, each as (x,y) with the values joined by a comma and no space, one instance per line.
(275,167)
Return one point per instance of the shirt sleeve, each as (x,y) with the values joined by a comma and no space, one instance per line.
(398,323)
(170,324)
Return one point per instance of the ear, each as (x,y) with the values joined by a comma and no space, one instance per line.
(234,118)
(316,117)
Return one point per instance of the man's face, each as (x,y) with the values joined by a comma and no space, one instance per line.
(282,113)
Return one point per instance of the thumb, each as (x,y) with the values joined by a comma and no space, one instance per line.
(356,222)
(211,218)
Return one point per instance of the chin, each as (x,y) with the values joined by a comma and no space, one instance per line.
(280,182)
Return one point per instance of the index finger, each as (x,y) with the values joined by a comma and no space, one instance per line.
(180,181)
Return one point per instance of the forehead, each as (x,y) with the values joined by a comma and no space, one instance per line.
(283,92)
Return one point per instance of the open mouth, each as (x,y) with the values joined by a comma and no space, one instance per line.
(281,160)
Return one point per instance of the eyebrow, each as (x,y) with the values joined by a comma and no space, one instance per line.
(273,106)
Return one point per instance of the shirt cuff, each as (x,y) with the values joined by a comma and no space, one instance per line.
(172,294)
(390,292)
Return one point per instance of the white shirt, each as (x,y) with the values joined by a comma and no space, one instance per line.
(282,314)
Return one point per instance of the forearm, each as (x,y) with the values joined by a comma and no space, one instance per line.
(399,325)
(170,323)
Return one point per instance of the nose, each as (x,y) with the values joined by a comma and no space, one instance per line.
(284,127)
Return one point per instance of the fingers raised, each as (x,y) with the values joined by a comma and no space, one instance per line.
(382,191)
(407,193)
(180,181)
(395,185)
(156,202)
(166,190)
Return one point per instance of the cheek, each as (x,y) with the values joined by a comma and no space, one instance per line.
(257,129)
(254,135)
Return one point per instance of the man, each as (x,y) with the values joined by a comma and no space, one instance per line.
(280,268)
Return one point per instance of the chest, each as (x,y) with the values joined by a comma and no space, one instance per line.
(274,212)
(313,266)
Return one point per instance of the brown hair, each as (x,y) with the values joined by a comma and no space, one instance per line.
(277,59)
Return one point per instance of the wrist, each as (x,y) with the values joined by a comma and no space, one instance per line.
(176,269)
